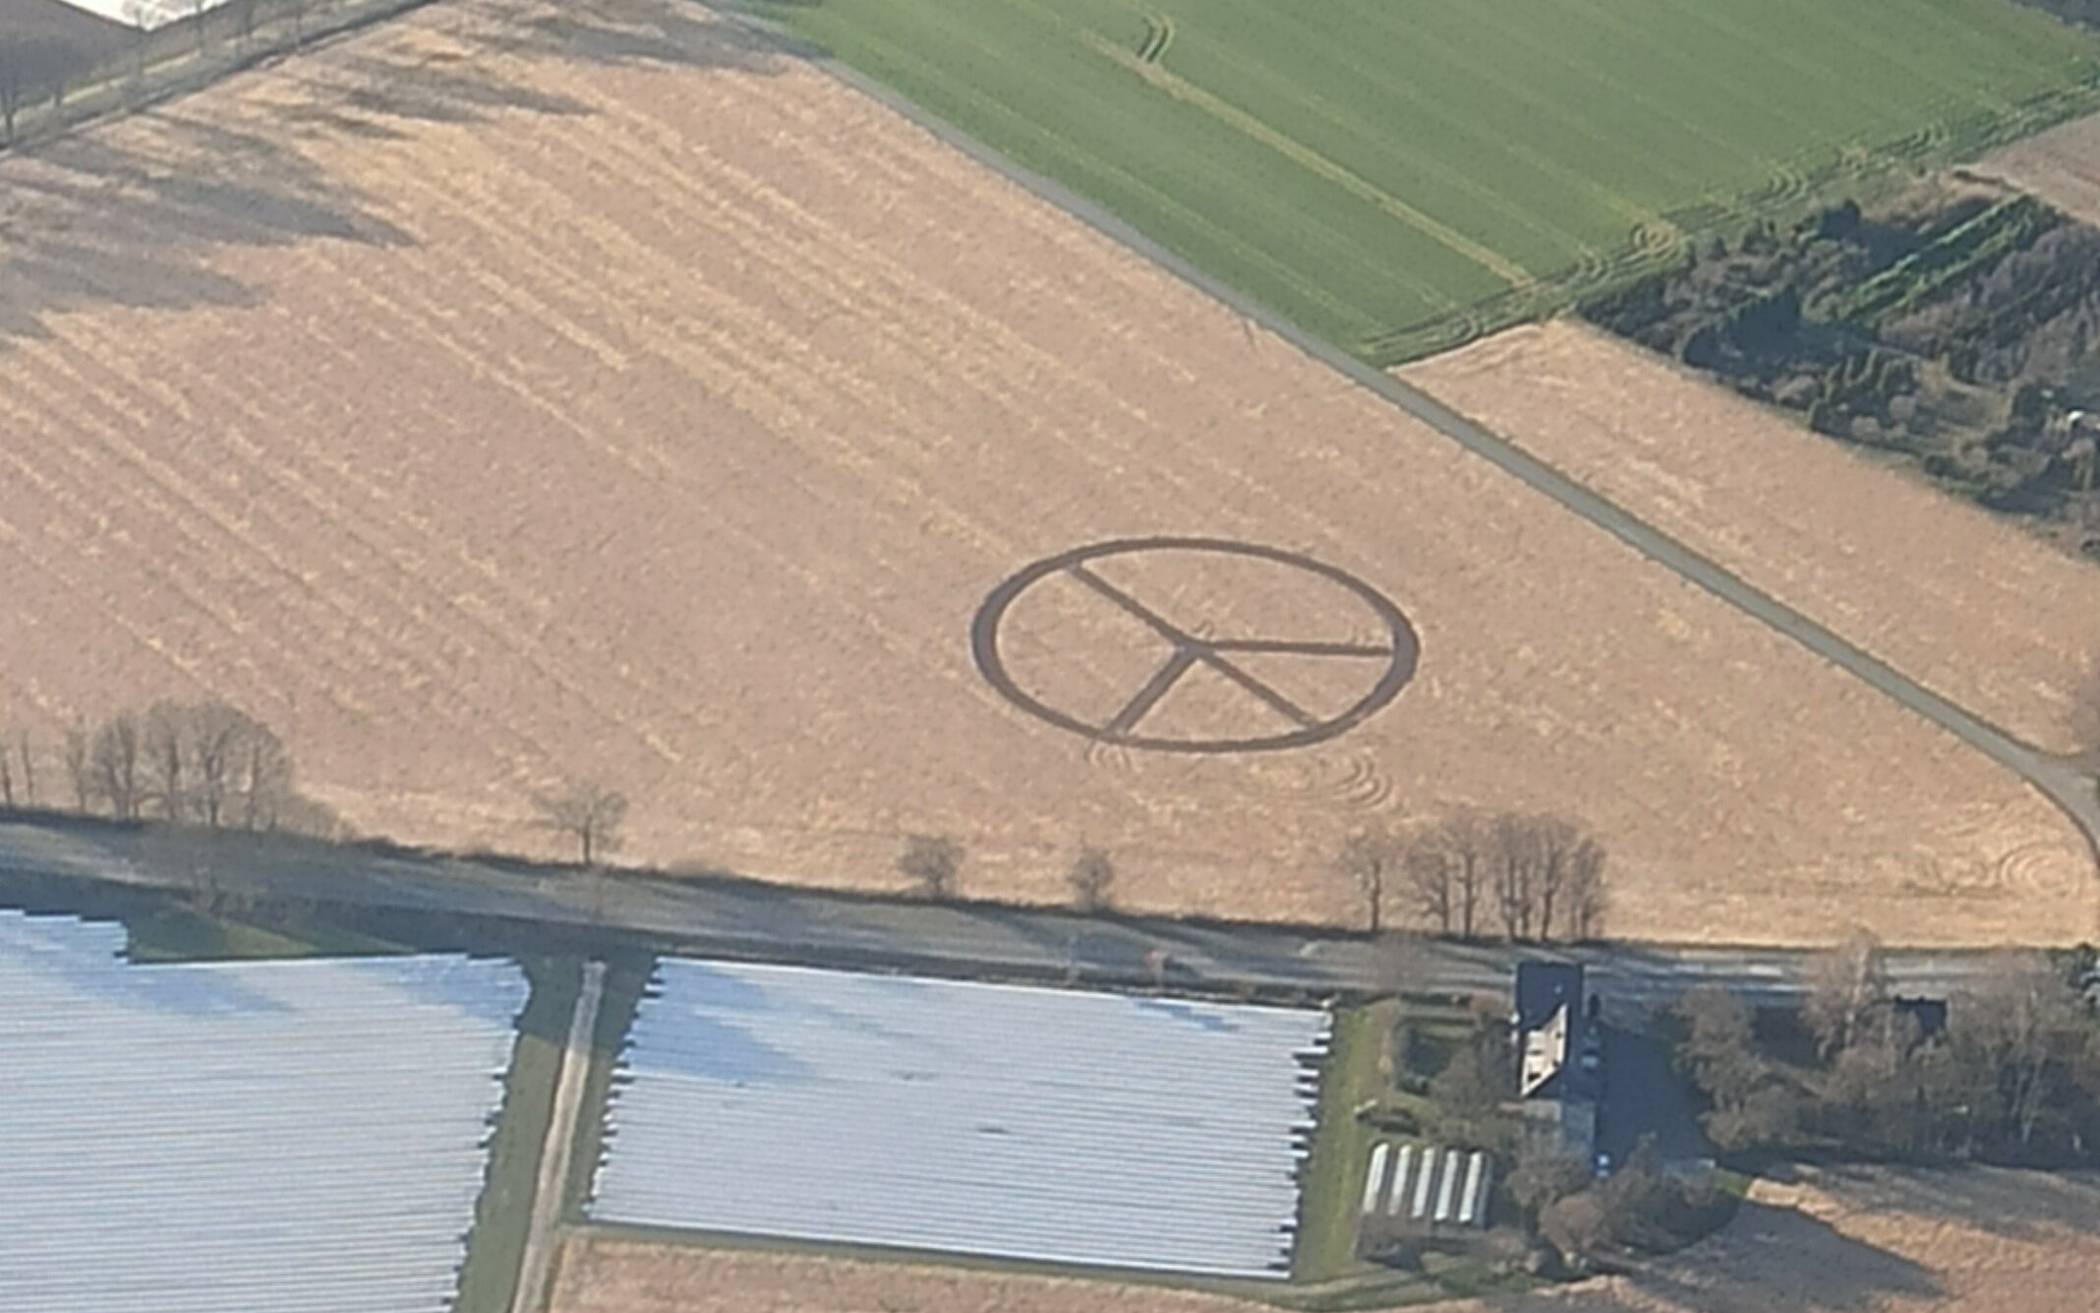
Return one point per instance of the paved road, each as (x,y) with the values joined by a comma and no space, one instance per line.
(2070,788)
(764,921)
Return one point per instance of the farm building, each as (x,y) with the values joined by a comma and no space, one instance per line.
(1559,1054)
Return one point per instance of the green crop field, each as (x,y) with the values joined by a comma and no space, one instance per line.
(1398,174)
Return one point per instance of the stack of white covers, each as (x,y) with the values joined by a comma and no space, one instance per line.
(249,1137)
(1046,1124)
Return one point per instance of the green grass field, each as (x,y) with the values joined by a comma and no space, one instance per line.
(1396,174)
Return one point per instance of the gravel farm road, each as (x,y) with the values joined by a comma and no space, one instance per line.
(743,919)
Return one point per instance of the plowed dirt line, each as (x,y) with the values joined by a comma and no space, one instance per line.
(521,391)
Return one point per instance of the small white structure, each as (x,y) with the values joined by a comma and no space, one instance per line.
(1447,1193)
(1425,1181)
(1401,1181)
(1374,1179)
(1472,1201)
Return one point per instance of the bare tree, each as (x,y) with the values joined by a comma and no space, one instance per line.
(262,777)
(23,746)
(1446,869)
(14,86)
(1517,858)
(1431,888)
(1368,861)
(114,763)
(1092,877)
(166,752)
(1752,1105)
(932,862)
(1567,886)
(1545,868)
(79,772)
(591,814)
(1845,984)
(2085,712)
(7,777)
(2025,1021)
(219,739)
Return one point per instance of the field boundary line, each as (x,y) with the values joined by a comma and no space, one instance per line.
(2059,781)
(537,1263)
(1313,161)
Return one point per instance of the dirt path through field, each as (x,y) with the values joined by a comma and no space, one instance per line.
(536,1264)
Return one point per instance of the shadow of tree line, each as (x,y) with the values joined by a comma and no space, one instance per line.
(1769,1260)
(130,212)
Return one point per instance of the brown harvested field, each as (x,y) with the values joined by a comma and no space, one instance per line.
(516,390)
(600,1274)
(2061,166)
(1967,604)
(1978,1240)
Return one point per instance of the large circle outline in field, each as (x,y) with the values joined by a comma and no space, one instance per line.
(1400,654)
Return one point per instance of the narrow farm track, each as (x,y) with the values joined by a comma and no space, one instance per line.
(2064,782)
(557,1155)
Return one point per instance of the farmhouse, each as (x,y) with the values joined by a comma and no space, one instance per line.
(1559,1055)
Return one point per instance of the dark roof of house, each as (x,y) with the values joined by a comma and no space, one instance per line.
(1542,987)
(1929,1013)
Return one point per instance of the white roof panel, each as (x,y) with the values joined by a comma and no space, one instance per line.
(1046,1124)
(266,1137)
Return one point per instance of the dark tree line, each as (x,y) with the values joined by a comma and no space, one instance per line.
(2014,1078)
(1955,329)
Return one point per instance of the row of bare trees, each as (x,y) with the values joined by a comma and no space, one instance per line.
(202,763)
(1527,876)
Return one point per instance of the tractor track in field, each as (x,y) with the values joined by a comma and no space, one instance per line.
(2064,783)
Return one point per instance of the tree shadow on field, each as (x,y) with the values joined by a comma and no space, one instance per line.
(1767,1260)
(133,211)
(2004,1202)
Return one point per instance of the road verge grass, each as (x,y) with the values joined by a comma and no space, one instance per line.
(183,934)
(1334,1172)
